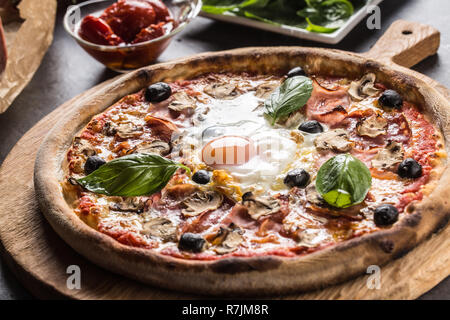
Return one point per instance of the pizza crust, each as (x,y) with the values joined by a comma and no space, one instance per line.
(240,275)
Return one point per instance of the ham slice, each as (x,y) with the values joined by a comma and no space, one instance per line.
(3,51)
(327,106)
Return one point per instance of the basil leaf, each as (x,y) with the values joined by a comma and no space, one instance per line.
(132,175)
(343,181)
(289,97)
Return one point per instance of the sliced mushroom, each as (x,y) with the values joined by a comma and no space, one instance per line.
(260,206)
(389,156)
(264,90)
(182,103)
(83,146)
(109,129)
(313,197)
(156,146)
(129,204)
(129,130)
(335,140)
(201,201)
(363,88)
(222,90)
(309,238)
(228,239)
(372,126)
(160,228)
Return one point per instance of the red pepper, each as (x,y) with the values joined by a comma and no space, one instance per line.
(128,17)
(96,30)
(152,32)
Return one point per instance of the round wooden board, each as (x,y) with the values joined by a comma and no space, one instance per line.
(40,258)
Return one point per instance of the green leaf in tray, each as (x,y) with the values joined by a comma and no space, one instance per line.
(322,16)
(343,181)
(289,97)
(132,175)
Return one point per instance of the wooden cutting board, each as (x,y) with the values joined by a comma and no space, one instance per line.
(40,258)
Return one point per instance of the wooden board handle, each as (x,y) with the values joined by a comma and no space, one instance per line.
(406,44)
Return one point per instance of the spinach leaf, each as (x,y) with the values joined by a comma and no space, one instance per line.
(343,181)
(322,16)
(326,16)
(132,175)
(222,6)
(289,97)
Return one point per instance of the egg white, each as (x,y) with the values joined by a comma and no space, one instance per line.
(244,116)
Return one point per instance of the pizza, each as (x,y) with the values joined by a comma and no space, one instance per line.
(250,178)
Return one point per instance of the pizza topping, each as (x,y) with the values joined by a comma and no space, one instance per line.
(297,178)
(201,177)
(264,90)
(313,197)
(222,90)
(391,99)
(201,201)
(297,71)
(136,174)
(129,130)
(161,128)
(389,156)
(335,140)
(156,146)
(343,181)
(372,126)
(83,146)
(363,88)
(160,227)
(327,106)
(158,92)
(129,204)
(287,98)
(92,164)
(260,206)
(183,103)
(191,242)
(228,239)
(385,215)
(311,126)
(409,168)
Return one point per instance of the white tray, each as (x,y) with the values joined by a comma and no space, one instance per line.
(331,38)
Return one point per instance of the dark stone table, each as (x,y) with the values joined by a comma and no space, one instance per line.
(67,71)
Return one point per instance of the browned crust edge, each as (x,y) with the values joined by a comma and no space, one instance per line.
(243,276)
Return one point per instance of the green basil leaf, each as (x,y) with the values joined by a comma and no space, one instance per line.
(343,181)
(132,175)
(289,97)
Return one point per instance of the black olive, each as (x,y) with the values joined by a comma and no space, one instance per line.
(409,168)
(191,242)
(158,92)
(385,215)
(201,177)
(312,126)
(297,71)
(391,99)
(297,178)
(92,164)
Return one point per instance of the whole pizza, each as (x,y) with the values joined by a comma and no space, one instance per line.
(251,171)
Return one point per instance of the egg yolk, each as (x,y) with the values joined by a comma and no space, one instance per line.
(228,151)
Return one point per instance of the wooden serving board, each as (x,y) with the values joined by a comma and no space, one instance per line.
(40,258)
